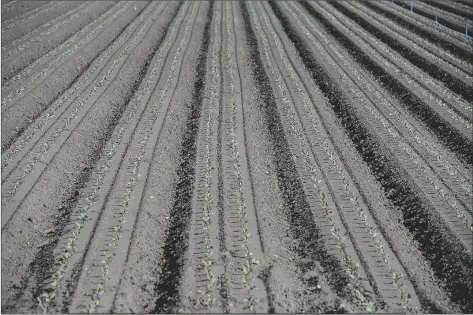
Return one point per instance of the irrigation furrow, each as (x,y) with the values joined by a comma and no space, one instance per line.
(21,32)
(204,266)
(26,141)
(240,239)
(429,24)
(381,263)
(177,233)
(20,60)
(7,6)
(457,47)
(295,209)
(398,188)
(433,9)
(27,39)
(318,194)
(32,76)
(32,166)
(449,173)
(455,7)
(448,61)
(458,141)
(90,132)
(125,197)
(29,15)
(94,196)
(417,90)
(456,215)
(441,82)
(121,204)
(447,19)
(29,108)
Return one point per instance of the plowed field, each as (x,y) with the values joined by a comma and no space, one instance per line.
(201,156)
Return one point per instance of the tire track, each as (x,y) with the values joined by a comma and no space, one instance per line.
(433,35)
(383,267)
(132,70)
(456,216)
(324,241)
(455,85)
(458,67)
(447,266)
(385,218)
(20,32)
(204,264)
(27,39)
(238,223)
(175,245)
(16,119)
(14,64)
(449,174)
(429,13)
(27,15)
(26,80)
(140,149)
(457,11)
(457,142)
(95,194)
(434,187)
(13,191)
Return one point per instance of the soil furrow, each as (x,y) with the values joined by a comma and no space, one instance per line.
(425,227)
(429,14)
(443,65)
(444,32)
(82,149)
(313,244)
(43,21)
(27,109)
(130,183)
(433,10)
(452,9)
(450,173)
(358,221)
(44,152)
(434,37)
(96,192)
(445,58)
(239,238)
(13,64)
(455,85)
(231,157)
(204,270)
(26,80)
(385,218)
(84,208)
(44,30)
(29,14)
(447,208)
(452,138)
(12,9)
(61,108)
(177,230)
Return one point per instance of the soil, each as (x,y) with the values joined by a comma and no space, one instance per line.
(234,157)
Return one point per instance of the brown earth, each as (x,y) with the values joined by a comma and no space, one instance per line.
(235,157)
